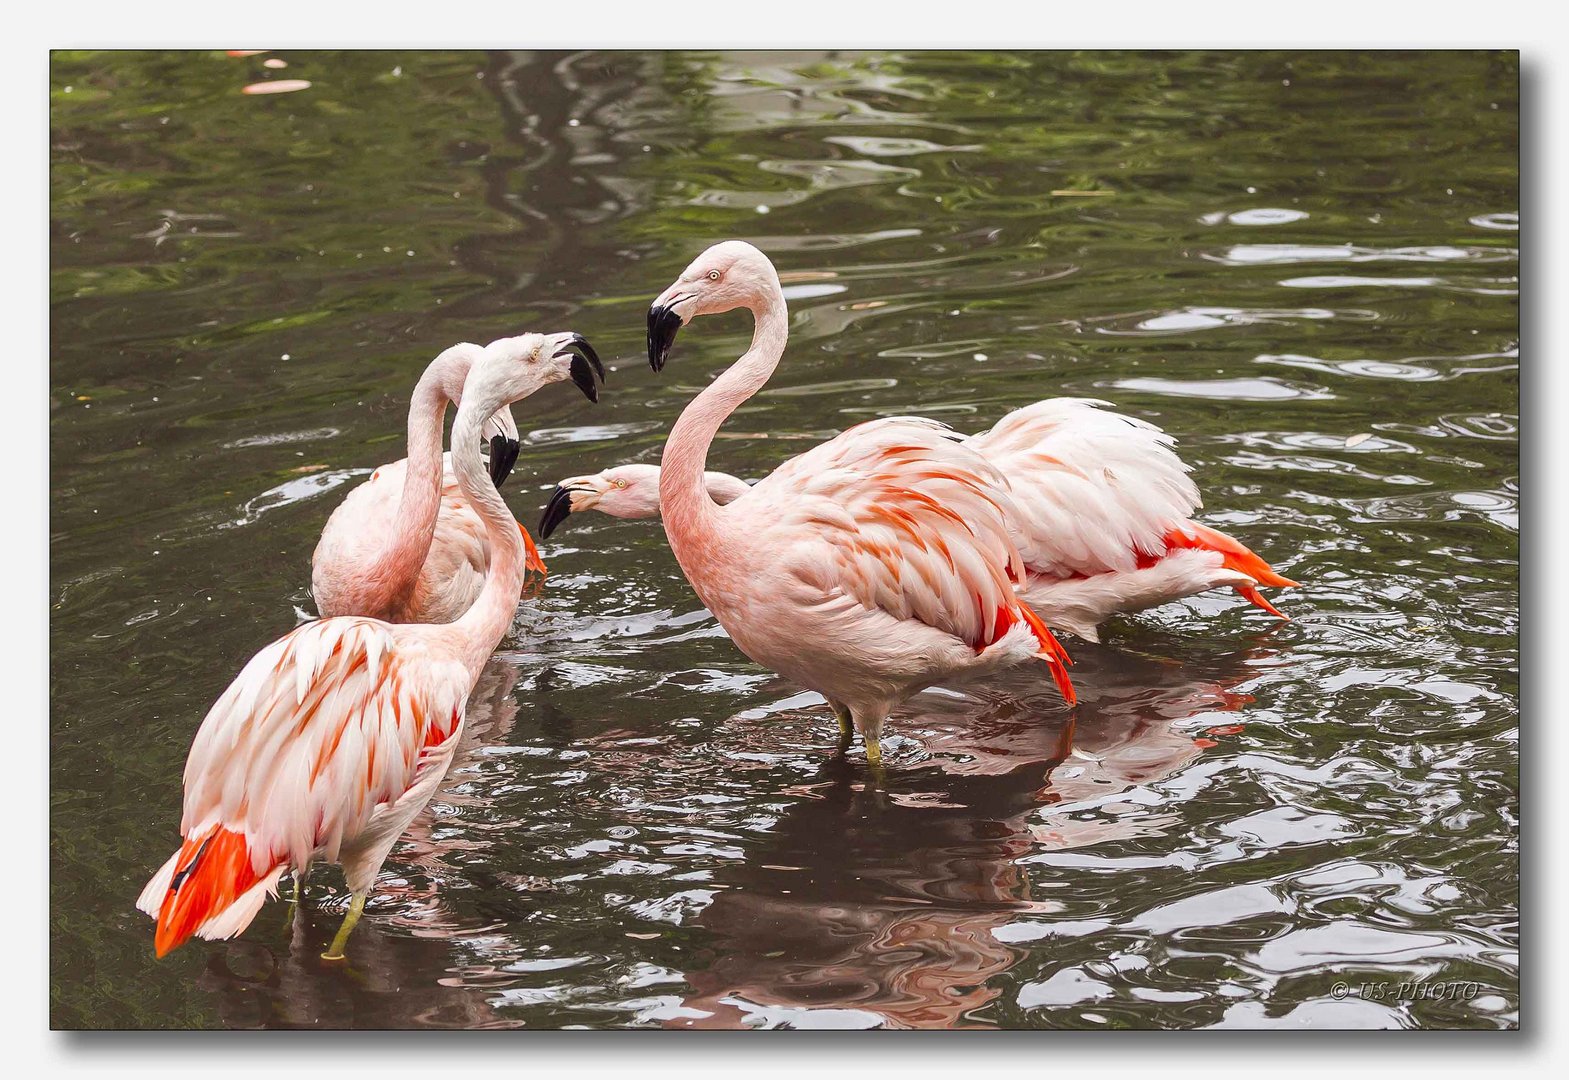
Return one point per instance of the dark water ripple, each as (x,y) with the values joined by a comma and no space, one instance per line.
(1303,266)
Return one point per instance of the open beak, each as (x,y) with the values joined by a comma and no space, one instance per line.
(663,322)
(503,455)
(557,509)
(585,365)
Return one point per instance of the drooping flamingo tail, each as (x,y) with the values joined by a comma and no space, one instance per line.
(531,559)
(210,877)
(1051,649)
(1053,652)
(1234,556)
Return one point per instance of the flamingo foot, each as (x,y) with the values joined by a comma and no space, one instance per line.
(335,950)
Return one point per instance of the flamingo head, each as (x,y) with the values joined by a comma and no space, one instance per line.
(500,434)
(625,491)
(728,275)
(515,367)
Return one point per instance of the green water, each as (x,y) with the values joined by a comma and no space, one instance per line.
(1301,265)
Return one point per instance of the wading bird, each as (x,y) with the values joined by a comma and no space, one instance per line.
(1105,506)
(336,735)
(405,546)
(867,568)
(626,491)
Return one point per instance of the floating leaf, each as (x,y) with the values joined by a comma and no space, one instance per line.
(277,86)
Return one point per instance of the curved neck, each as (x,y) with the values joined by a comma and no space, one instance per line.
(481,627)
(689,512)
(401,557)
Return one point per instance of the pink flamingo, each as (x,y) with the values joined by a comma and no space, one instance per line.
(1105,505)
(336,735)
(626,491)
(405,546)
(867,568)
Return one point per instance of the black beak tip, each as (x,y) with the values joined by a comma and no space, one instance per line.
(503,455)
(663,322)
(588,351)
(583,378)
(556,511)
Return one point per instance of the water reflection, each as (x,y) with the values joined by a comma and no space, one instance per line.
(877,902)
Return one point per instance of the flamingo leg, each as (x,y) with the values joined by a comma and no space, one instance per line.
(296,900)
(335,950)
(871,728)
(299,884)
(846,728)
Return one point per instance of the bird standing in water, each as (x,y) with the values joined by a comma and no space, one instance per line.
(1105,506)
(868,568)
(405,546)
(336,735)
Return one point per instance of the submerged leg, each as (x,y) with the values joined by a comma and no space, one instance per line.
(870,724)
(846,729)
(357,905)
(295,902)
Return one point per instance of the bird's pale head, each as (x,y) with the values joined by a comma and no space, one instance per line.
(514,367)
(625,491)
(727,276)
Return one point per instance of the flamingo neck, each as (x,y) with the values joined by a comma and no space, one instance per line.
(693,521)
(481,627)
(398,564)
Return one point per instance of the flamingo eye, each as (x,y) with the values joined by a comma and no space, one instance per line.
(621,483)
(713,275)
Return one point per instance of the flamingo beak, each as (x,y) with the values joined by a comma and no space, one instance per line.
(503,455)
(556,510)
(585,365)
(663,322)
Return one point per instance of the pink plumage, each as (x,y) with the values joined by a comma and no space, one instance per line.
(868,568)
(335,736)
(405,546)
(1099,508)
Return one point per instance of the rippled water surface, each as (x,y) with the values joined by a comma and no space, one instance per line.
(1302,266)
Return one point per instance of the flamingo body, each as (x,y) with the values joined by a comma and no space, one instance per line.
(1101,513)
(405,546)
(323,749)
(1105,516)
(332,738)
(868,568)
(446,582)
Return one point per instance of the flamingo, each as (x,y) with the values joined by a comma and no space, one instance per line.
(866,569)
(1105,505)
(626,491)
(405,546)
(336,735)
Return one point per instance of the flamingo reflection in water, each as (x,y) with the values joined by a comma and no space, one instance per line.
(841,921)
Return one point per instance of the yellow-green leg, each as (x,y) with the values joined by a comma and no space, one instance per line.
(846,728)
(296,899)
(356,906)
(871,725)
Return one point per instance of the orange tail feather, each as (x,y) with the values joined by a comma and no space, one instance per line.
(1057,656)
(210,875)
(1234,556)
(531,559)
